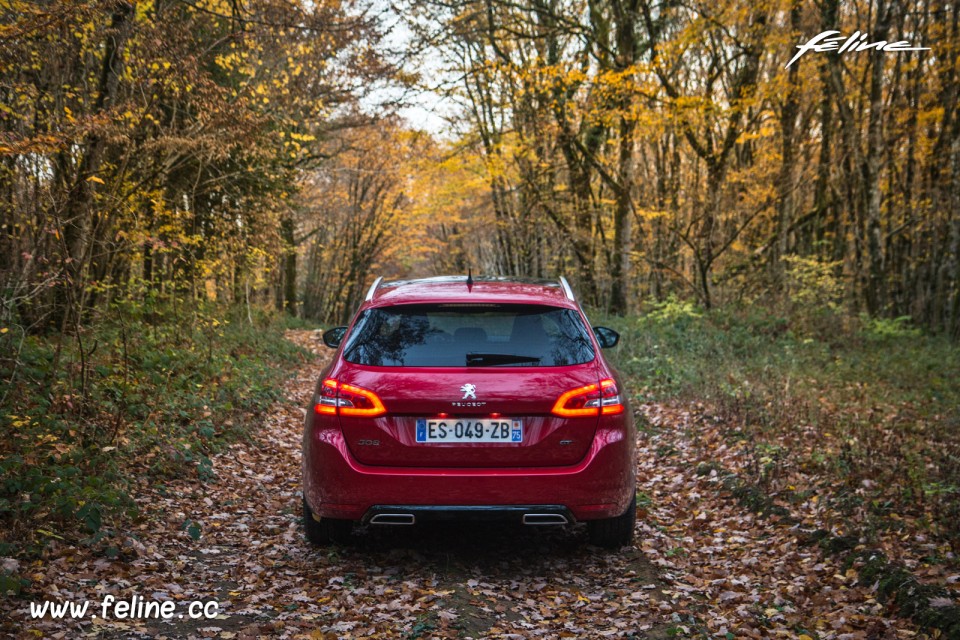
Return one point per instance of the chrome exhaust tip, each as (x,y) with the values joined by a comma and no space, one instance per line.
(402,519)
(540,519)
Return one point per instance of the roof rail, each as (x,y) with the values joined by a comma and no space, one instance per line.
(373,288)
(566,287)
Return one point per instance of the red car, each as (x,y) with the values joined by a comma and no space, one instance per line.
(460,398)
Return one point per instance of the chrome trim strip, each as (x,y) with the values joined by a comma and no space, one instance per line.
(536,519)
(373,288)
(393,518)
(566,287)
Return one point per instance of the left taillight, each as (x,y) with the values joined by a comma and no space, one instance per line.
(347,400)
(590,400)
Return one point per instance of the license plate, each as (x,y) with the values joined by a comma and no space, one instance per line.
(466,430)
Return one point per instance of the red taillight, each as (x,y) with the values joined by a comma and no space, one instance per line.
(355,401)
(573,403)
(610,398)
(348,400)
(327,402)
(589,400)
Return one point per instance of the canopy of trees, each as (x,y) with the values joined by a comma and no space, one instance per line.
(152,147)
(643,148)
(655,146)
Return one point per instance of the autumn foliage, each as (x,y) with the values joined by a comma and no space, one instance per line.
(655,147)
(181,180)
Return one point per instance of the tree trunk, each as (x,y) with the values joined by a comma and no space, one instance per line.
(78,214)
(875,293)
(788,118)
(620,272)
(287,231)
(622,222)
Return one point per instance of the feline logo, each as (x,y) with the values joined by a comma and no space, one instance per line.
(830,41)
(469,391)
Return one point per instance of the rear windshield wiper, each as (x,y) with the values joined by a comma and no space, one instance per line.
(481,359)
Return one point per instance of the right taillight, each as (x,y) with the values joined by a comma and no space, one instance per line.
(590,400)
(610,403)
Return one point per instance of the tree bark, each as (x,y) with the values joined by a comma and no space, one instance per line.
(627,51)
(287,229)
(78,216)
(788,122)
(876,290)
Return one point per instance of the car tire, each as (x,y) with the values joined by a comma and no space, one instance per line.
(327,530)
(613,533)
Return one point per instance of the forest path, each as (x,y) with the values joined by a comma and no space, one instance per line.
(701,566)
(436,581)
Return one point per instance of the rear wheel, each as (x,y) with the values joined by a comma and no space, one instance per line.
(613,533)
(327,530)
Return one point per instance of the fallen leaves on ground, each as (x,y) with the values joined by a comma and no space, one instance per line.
(701,565)
(743,573)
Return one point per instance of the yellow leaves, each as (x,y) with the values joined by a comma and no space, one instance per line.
(765,131)
(692,102)
(143,10)
(96,179)
(652,214)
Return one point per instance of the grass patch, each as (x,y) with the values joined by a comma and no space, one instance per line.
(149,392)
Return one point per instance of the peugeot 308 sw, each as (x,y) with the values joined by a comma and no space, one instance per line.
(463,398)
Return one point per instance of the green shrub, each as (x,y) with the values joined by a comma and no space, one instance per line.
(881,328)
(149,389)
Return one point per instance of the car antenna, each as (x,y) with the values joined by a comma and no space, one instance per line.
(469,278)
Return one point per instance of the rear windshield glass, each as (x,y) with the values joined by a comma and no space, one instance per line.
(458,335)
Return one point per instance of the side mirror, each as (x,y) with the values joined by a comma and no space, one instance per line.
(333,337)
(606,337)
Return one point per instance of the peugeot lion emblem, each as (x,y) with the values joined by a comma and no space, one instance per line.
(469,391)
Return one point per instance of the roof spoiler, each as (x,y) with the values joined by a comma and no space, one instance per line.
(566,288)
(373,288)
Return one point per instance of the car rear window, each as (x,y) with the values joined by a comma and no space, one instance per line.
(458,335)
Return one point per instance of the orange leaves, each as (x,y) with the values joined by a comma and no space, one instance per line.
(39,144)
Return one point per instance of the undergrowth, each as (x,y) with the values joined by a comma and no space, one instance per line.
(870,407)
(151,391)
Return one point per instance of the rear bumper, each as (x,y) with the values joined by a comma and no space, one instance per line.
(336,485)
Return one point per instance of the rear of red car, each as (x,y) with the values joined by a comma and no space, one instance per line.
(487,399)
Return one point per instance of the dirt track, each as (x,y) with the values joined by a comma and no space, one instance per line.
(701,565)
